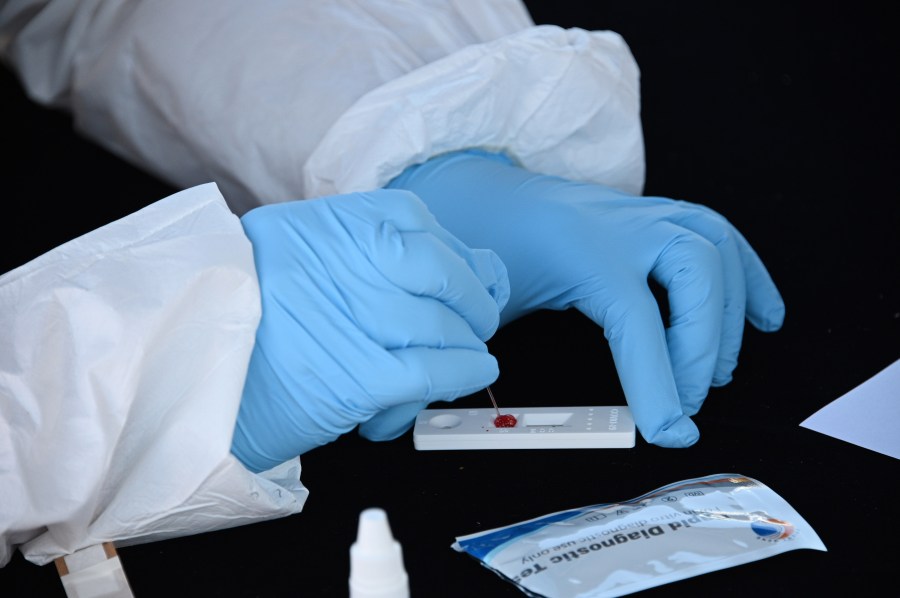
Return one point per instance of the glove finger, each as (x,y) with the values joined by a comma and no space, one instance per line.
(445,375)
(718,231)
(765,307)
(392,422)
(631,323)
(690,269)
(409,214)
(764,304)
(422,264)
(402,320)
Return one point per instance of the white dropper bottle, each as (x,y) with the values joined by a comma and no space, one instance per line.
(376,559)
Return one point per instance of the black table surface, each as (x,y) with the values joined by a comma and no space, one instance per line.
(782,118)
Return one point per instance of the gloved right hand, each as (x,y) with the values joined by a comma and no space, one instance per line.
(568,244)
(368,306)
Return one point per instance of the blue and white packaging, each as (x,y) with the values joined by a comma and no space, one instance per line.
(677,531)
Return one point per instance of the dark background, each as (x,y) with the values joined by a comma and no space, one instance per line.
(782,118)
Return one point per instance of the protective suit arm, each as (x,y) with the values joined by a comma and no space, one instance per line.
(122,364)
(126,363)
(225,90)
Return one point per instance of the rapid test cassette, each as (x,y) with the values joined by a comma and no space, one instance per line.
(535,428)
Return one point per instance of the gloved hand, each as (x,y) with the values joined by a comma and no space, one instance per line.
(369,308)
(567,244)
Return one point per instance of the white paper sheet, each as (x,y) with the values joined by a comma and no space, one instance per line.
(868,415)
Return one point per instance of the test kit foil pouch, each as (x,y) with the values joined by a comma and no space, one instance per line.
(677,531)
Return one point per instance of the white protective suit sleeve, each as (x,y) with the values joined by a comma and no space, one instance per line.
(121,370)
(274,101)
(288,99)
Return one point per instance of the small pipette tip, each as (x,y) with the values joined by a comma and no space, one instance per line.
(494,401)
(376,559)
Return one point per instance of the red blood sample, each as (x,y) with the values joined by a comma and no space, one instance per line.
(505,421)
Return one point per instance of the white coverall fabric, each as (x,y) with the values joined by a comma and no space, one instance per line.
(121,370)
(273,100)
(284,99)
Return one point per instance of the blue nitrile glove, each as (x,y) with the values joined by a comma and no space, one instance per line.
(568,244)
(367,305)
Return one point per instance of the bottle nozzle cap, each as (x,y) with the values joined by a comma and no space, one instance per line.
(376,559)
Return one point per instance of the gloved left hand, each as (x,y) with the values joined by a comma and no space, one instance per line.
(568,244)
(370,310)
